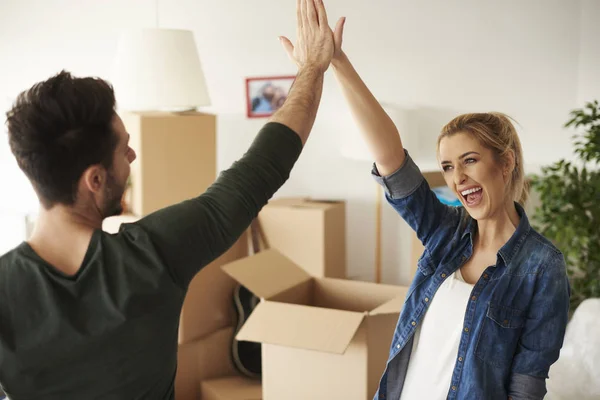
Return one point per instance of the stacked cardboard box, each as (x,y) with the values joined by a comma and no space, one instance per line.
(310,232)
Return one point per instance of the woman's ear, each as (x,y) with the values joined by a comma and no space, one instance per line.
(509,163)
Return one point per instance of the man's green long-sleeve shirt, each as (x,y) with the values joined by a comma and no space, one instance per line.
(111,331)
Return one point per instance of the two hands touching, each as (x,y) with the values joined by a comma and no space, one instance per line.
(316,48)
(317,45)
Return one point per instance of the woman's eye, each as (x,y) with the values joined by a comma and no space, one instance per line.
(470,161)
(446,168)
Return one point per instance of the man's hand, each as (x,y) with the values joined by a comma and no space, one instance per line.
(315,45)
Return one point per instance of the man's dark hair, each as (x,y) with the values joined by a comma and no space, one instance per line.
(57,129)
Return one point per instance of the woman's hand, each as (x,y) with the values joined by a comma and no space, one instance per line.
(338,35)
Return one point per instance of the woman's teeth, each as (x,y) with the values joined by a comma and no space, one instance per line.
(469,191)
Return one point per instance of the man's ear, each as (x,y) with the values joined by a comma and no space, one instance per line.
(94,178)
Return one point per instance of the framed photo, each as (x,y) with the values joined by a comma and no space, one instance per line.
(265,95)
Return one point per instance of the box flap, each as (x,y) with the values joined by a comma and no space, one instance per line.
(305,327)
(393,306)
(266,273)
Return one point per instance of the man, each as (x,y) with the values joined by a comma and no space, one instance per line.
(85,314)
(263,103)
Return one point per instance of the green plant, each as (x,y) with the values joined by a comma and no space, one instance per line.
(569,214)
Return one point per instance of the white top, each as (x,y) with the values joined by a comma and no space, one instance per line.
(435,346)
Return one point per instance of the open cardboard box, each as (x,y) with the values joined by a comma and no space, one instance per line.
(322,338)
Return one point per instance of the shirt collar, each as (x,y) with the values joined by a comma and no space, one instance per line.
(513,244)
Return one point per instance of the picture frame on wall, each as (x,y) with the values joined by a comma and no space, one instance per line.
(266,94)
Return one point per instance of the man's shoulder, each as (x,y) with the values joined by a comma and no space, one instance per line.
(10,258)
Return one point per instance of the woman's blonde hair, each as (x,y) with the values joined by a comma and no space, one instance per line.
(496,132)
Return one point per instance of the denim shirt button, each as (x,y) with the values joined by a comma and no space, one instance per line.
(413,323)
(454,388)
(460,359)
(426,299)
(474,298)
(397,346)
(443,275)
(485,276)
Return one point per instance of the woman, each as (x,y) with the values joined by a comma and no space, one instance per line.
(486,313)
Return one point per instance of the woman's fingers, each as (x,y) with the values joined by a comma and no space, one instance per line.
(338,33)
(288,47)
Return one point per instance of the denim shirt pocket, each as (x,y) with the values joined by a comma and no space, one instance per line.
(499,335)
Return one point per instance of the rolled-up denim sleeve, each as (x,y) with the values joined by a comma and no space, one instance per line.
(410,195)
(526,387)
(403,182)
(543,334)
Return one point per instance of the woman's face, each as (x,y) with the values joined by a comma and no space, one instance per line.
(474,174)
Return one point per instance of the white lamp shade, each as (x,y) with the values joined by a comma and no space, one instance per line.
(158,70)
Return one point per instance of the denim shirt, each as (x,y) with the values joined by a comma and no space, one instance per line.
(516,316)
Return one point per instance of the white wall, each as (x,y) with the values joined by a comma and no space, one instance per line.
(589,56)
(528,59)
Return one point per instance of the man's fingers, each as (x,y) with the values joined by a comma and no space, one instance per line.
(320,7)
(304,11)
(338,34)
(311,13)
(299,18)
(287,46)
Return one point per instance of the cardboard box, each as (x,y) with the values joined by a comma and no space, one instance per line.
(323,338)
(231,388)
(311,233)
(176,157)
(203,359)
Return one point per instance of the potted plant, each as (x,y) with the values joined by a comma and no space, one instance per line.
(569,214)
